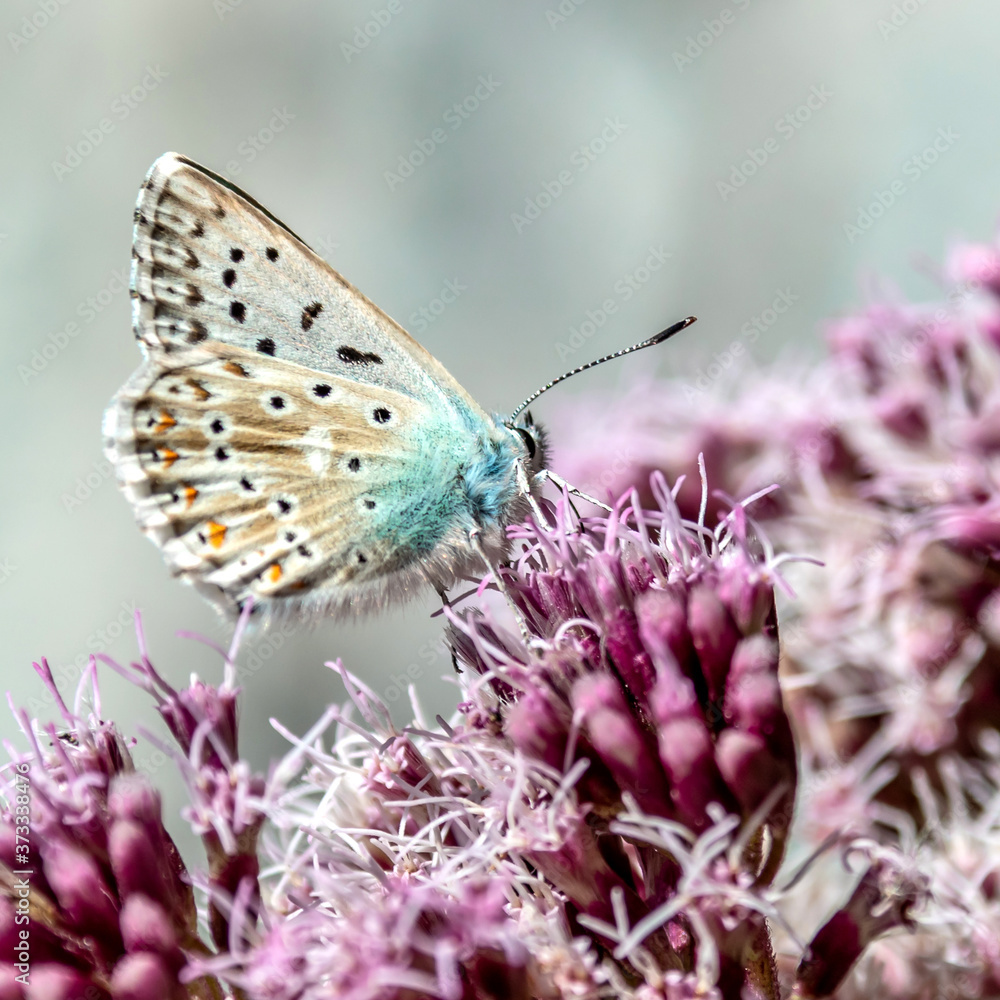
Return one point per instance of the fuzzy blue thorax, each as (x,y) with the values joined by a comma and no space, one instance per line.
(466,478)
(490,474)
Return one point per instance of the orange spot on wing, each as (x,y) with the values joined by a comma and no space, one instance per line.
(168,456)
(235,368)
(216,534)
(274,573)
(166,422)
(199,390)
(189,494)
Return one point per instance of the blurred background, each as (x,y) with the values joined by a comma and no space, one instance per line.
(523,186)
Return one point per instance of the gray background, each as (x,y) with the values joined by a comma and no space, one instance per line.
(206,77)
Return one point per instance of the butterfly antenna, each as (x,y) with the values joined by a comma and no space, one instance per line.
(652,342)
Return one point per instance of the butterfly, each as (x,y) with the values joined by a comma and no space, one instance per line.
(285,440)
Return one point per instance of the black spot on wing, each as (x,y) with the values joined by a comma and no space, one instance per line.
(198,229)
(229,277)
(266,346)
(321,390)
(352,356)
(309,314)
(238,311)
(197,333)
(236,255)
(272,254)
(381,415)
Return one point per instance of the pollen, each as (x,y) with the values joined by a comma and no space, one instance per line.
(166,422)
(216,534)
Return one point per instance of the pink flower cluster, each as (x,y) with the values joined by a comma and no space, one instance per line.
(888,458)
(685,764)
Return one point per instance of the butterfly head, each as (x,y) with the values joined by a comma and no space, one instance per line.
(533,441)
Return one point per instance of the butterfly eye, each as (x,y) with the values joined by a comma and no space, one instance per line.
(528,439)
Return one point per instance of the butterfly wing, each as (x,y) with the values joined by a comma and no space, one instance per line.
(211,263)
(285,439)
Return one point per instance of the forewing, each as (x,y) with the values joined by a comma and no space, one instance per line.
(211,264)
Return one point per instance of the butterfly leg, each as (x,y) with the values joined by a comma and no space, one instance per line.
(477,545)
(525,487)
(561,484)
